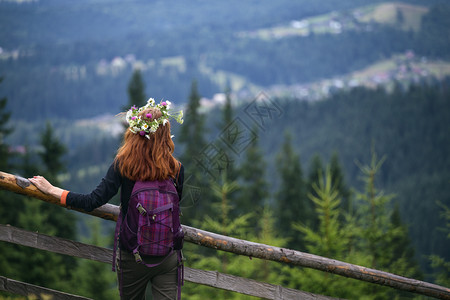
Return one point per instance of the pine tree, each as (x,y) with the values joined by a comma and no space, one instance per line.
(291,196)
(230,136)
(95,279)
(36,266)
(314,178)
(254,191)
(191,133)
(441,267)
(11,202)
(225,225)
(227,111)
(53,150)
(22,263)
(136,90)
(219,221)
(195,193)
(238,265)
(58,221)
(265,270)
(384,239)
(337,176)
(52,154)
(332,239)
(401,250)
(136,93)
(28,165)
(4,132)
(329,240)
(372,207)
(28,264)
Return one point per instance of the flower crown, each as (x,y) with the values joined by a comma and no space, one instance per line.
(145,127)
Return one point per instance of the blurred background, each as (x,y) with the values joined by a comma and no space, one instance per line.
(321,126)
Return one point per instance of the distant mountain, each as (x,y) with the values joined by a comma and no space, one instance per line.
(73,59)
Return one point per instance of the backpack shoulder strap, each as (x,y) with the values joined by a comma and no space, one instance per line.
(175,180)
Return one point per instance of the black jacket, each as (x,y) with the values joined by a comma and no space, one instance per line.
(108,187)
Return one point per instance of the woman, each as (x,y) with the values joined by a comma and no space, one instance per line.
(145,155)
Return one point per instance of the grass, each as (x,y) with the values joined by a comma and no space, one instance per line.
(386,13)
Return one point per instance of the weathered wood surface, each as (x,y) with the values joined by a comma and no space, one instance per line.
(243,247)
(247,286)
(54,244)
(34,291)
(210,278)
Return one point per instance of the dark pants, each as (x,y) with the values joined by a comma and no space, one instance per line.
(133,277)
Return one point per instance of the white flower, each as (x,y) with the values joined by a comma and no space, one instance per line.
(151,102)
(168,104)
(135,129)
(179,118)
(165,121)
(144,127)
(132,130)
(172,136)
(154,128)
(147,136)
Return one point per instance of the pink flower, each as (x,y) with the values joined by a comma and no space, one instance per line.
(164,103)
(133,118)
(142,133)
(149,116)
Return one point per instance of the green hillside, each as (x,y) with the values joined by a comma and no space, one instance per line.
(93,47)
(396,14)
(408,17)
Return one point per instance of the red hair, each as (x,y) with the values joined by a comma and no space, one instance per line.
(142,159)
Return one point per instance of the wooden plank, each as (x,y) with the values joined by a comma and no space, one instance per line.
(251,249)
(247,286)
(210,278)
(30,290)
(54,244)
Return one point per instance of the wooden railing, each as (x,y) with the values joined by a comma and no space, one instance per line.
(220,242)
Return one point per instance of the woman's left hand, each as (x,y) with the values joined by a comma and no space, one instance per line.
(44,186)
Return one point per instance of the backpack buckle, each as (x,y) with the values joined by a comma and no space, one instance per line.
(137,256)
(141,209)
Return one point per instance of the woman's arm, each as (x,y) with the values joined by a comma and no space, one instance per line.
(105,190)
(46,187)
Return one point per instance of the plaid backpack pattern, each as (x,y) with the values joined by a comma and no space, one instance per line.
(152,223)
(155,228)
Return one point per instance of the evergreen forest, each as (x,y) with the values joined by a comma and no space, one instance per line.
(354,172)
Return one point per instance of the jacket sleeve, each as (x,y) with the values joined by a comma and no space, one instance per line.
(106,189)
(180,181)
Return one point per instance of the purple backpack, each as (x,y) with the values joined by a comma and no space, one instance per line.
(151,225)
